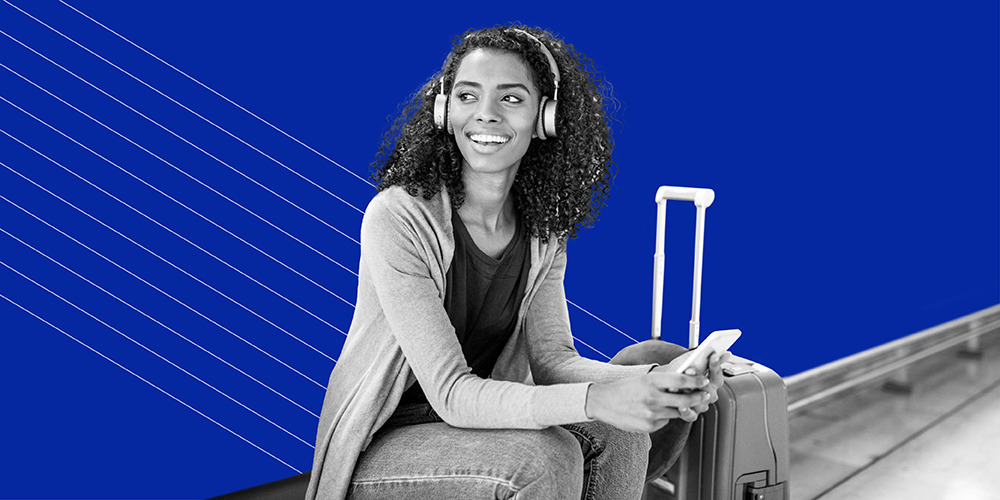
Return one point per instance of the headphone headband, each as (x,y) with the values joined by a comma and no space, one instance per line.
(546,125)
(548,55)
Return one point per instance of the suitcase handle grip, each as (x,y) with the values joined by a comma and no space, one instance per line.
(702,197)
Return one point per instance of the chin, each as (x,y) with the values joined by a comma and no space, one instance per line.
(491,163)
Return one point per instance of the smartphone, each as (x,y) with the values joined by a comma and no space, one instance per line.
(719,341)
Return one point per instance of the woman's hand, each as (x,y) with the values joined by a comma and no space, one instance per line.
(714,372)
(646,403)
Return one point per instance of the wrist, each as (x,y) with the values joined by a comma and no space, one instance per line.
(592,405)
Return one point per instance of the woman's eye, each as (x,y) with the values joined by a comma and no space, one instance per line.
(466,96)
(512,98)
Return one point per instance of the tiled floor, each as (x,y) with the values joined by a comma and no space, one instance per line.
(940,441)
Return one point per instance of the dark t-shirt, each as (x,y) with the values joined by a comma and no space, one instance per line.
(482,299)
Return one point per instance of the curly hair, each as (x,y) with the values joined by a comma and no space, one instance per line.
(562,182)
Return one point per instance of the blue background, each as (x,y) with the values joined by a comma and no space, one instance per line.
(852,146)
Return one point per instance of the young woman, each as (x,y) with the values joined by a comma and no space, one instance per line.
(459,378)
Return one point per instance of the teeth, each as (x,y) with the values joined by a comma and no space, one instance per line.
(499,139)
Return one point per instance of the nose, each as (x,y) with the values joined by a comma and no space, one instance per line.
(487,111)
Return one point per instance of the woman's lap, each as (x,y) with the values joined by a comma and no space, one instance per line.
(416,455)
(435,460)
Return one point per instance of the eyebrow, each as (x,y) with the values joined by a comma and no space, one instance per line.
(502,86)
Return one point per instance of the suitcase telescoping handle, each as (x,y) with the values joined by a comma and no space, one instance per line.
(702,199)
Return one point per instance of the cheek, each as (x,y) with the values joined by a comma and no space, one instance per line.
(455,116)
(525,125)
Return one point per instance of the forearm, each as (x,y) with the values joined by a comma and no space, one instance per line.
(553,357)
(647,402)
(567,366)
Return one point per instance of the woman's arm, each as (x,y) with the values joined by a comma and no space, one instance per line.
(647,402)
(400,253)
(552,355)
(639,398)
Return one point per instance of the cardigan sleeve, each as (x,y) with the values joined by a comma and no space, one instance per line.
(400,251)
(552,356)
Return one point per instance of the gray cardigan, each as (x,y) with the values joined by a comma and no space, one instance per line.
(400,331)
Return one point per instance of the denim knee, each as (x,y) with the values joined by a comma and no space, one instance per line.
(615,461)
(552,467)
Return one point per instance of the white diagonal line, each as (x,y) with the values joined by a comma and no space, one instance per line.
(188,142)
(183,172)
(154,353)
(241,108)
(171,264)
(175,398)
(146,282)
(198,115)
(206,87)
(171,330)
(592,348)
(172,231)
(602,321)
(78,242)
(171,132)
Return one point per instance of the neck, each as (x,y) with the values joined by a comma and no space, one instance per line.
(488,204)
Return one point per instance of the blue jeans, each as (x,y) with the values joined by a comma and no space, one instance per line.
(416,455)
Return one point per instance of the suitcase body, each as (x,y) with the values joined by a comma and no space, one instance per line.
(738,449)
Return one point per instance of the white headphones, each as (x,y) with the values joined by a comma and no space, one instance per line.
(546,125)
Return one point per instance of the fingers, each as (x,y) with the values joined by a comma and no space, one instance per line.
(663,415)
(685,414)
(688,414)
(703,407)
(714,397)
(685,400)
(705,389)
(691,413)
(671,381)
(647,402)
(715,362)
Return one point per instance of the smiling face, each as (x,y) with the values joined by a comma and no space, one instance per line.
(493,109)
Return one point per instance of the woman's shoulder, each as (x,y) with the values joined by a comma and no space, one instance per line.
(396,203)
(399,198)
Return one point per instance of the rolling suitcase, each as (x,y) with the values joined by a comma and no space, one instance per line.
(738,449)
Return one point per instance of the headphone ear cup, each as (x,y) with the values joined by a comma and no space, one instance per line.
(441,112)
(546,125)
(548,115)
(540,123)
